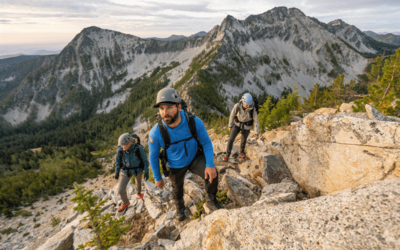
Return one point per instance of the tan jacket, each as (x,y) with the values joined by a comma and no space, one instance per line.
(244,115)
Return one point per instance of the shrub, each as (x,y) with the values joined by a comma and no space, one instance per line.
(55,221)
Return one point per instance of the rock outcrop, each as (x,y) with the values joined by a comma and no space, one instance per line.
(328,153)
(365,217)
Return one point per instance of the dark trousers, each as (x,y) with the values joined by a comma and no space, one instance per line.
(234,132)
(197,166)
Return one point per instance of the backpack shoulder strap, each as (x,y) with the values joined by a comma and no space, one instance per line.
(164,134)
(139,156)
(192,124)
(121,154)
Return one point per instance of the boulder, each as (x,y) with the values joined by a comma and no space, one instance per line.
(238,191)
(325,111)
(394,118)
(163,232)
(175,235)
(73,216)
(347,107)
(274,135)
(154,208)
(286,186)
(107,206)
(272,148)
(242,179)
(365,217)
(274,169)
(63,240)
(275,200)
(81,236)
(374,114)
(140,206)
(148,237)
(221,169)
(193,190)
(164,243)
(295,118)
(189,202)
(326,153)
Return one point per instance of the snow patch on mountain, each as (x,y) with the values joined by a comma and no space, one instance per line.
(9,79)
(111,103)
(43,112)
(16,115)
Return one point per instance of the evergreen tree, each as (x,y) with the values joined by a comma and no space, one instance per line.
(385,87)
(280,114)
(107,231)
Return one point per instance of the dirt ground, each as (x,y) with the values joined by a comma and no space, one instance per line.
(141,224)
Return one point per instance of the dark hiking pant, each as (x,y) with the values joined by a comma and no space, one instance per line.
(197,166)
(234,132)
(124,182)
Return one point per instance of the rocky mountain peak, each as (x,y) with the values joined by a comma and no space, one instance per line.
(337,22)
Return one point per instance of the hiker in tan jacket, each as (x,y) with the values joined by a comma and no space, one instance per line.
(242,119)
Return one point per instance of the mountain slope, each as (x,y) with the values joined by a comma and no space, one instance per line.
(357,39)
(388,38)
(96,63)
(13,70)
(263,54)
(277,49)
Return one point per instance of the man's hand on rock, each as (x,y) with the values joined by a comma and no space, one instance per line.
(160,184)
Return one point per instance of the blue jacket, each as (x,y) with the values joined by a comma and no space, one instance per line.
(130,156)
(176,152)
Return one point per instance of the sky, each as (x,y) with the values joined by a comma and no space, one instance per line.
(31,25)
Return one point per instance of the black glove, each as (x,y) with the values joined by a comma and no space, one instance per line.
(116,176)
(146,176)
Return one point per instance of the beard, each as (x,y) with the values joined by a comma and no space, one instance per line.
(171,119)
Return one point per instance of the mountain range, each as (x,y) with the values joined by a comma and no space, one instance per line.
(263,54)
(390,38)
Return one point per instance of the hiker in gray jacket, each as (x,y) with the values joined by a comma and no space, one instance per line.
(242,118)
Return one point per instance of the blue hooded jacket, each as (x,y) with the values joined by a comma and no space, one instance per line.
(133,161)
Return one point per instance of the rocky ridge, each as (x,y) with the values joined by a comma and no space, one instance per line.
(270,193)
(268,52)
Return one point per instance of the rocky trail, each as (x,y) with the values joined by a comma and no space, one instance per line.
(328,181)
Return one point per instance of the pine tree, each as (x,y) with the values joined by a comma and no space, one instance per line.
(265,111)
(385,88)
(280,114)
(107,231)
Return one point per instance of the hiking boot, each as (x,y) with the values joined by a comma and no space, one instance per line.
(122,207)
(140,196)
(225,158)
(243,155)
(180,210)
(212,204)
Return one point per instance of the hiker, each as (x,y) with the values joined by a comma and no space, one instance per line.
(187,148)
(244,114)
(132,159)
